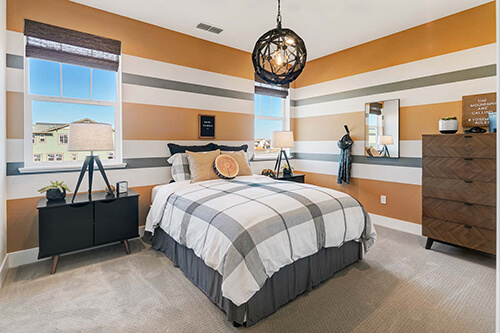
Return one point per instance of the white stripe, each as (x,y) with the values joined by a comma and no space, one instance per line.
(163,70)
(158,148)
(15,43)
(15,150)
(27,186)
(465,59)
(450,92)
(408,148)
(387,173)
(389,222)
(164,97)
(14,80)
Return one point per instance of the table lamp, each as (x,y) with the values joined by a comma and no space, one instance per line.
(385,140)
(90,137)
(281,139)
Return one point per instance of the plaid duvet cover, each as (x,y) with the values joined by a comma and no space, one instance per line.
(249,227)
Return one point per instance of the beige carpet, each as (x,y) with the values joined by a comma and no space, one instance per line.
(400,287)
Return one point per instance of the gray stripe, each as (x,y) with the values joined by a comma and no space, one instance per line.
(414,162)
(426,81)
(183,86)
(15,61)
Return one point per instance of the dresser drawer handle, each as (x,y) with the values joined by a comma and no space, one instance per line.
(468,181)
(468,136)
(468,158)
(468,204)
(467,226)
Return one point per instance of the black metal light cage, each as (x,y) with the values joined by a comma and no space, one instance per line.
(293,54)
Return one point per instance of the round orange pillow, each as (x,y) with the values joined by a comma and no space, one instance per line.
(226,167)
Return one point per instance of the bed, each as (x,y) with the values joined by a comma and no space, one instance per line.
(253,244)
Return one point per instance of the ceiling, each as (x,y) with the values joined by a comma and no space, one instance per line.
(327,26)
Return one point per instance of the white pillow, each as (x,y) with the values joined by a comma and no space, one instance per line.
(180,167)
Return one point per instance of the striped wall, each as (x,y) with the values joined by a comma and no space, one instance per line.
(429,68)
(167,80)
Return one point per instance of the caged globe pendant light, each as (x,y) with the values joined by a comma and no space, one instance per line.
(279,56)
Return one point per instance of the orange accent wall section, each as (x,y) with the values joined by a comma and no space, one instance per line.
(138,38)
(404,201)
(329,127)
(22,219)
(470,28)
(153,122)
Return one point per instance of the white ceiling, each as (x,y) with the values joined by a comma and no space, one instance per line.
(326,26)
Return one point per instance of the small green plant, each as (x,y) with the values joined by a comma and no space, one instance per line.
(288,167)
(449,118)
(55,185)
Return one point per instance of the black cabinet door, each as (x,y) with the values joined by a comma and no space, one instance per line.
(65,229)
(116,220)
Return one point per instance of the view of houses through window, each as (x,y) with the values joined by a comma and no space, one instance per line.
(61,94)
(269,117)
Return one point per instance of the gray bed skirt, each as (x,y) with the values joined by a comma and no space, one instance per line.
(284,286)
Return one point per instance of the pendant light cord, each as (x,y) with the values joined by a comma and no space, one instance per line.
(278,18)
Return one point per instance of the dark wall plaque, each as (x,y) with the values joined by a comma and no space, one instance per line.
(475,109)
(207,126)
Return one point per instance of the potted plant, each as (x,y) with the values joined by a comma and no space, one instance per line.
(448,125)
(55,191)
(287,170)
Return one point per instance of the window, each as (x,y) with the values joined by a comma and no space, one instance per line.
(69,77)
(63,139)
(111,155)
(37,158)
(33,139)
(269,117)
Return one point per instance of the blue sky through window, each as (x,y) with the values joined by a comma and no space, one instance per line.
(64,113)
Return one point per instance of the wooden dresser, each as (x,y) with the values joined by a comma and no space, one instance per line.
(459,190)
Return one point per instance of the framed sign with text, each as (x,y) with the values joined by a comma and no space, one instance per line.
(207,126)
(475,109)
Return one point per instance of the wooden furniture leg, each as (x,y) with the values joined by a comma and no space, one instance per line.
(55,261)
(127,248)
(429,243)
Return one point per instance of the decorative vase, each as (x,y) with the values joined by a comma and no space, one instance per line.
(55,194)
(448,126)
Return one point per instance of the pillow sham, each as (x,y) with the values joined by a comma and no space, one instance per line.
(231,148)
(201,165)
(178,149)
(180,167)
(241,159)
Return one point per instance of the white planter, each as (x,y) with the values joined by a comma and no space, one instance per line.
(448,126)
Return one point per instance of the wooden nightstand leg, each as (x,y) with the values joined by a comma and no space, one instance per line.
(55,261)
(429,243)
(127,248)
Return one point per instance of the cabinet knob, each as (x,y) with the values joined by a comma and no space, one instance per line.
(467,226)
(468,158)
(468,181)
(468,204)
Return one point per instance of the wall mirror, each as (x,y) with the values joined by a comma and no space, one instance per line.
(382,129)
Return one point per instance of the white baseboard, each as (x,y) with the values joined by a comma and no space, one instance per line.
(396,224)
(29,256)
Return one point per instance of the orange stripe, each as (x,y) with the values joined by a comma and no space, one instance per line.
(404,201)
(22,219)
(329,127)
(15,115)
(153,122)
(138,38)
(471,28)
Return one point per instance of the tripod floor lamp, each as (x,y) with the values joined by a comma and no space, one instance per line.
(281,139)
(90,137)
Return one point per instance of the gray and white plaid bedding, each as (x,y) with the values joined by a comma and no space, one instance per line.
(250,227)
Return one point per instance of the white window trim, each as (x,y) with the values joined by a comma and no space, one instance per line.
(29,165)
(285,127)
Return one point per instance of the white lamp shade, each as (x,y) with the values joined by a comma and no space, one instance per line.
(282,139)
(385,140)
(90,137)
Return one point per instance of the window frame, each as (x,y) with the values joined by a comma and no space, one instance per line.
(29,165)
(59,139)
(285,124)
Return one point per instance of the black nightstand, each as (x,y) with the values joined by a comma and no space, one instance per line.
(298,178)
(66,226)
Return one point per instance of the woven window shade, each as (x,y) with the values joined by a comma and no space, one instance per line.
(45,41)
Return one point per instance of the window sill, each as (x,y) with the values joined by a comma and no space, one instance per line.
(52,168)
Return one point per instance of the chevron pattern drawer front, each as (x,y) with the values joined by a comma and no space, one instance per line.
(459,190)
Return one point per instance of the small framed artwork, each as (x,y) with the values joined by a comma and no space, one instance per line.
(207,126)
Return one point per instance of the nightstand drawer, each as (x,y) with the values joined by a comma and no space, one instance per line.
(65,229)
(297,178)
(116,220)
